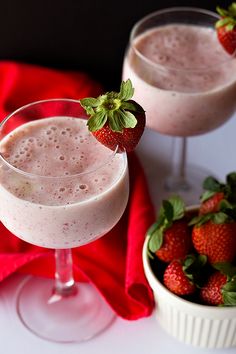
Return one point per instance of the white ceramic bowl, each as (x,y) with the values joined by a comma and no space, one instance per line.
(199,325)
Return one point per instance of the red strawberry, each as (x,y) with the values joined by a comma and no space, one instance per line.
(181,276)
(226,28)
(212,204)
(215,240)
(176,242)
(215,192)
(176,280)
(115,119)
(227,38)
(170,236)
(219,290)
(211,293)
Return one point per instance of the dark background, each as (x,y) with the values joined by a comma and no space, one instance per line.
(77,34)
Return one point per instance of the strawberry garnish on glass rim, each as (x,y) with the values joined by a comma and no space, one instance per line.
(115,119)
(226,28)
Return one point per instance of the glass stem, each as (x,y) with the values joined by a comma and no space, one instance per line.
(179,152)
(178,179)
(65,284)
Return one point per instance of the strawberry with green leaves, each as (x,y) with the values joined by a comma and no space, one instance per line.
(182,277)
(170,236)
(212,204)
(220,288)
(115,119)
(226,28)
(215,192)
(214,234)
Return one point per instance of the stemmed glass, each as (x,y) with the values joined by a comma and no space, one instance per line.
(181,98)
(59,188)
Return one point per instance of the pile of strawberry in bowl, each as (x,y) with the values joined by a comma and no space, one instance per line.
(189,258)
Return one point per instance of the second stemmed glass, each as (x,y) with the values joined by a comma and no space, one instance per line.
(184,80)
(59,188)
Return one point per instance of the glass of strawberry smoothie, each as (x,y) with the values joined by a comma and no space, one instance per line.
(59,188)
(185,81)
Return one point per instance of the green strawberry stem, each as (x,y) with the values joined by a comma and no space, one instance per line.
(228,17)
(112,108)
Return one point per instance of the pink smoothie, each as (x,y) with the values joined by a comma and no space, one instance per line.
(65,189)
(183,78)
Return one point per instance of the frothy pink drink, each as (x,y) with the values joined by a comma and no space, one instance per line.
(63,188)
(183,78)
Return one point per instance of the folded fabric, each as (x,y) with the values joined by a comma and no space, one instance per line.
(114,262)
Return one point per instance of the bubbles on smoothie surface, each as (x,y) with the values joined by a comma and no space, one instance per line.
(57,147)
(172,49)
(42,140)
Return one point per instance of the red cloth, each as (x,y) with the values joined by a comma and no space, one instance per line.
(114,262)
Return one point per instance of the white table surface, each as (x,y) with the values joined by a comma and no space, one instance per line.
(216,152)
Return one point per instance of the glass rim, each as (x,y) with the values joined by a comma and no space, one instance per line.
(33,175)
(172,10)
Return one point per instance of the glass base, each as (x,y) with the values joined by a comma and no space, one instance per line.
(73,318)
(189,187)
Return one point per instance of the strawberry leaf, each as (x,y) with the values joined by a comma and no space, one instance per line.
(156,240)
(189,260)
(131,106)
(229,298)
(151,229)
(178,207)
(225,204)
(115,123)
(172,209)
(222,12)
(206,195)
(225,268)
(97,121)
(126,90)
(230,26)
(223,22)
(89,110)
(127,118)
(200,220)
(168,210)
(229,292)
(89,102)
(230,285)
(216,218)
(212,184)
(155,233)
(220,218)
